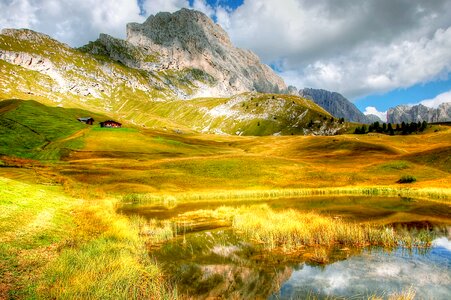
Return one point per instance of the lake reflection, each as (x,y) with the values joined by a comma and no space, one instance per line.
(376,272)
(208,259)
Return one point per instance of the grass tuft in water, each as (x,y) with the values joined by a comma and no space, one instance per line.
(290,229)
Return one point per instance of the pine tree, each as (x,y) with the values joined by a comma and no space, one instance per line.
(423,126)
(390,129)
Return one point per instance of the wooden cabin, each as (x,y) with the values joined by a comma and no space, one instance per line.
(87,120)
(110,124)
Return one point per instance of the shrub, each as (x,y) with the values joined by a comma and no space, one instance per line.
(407,179)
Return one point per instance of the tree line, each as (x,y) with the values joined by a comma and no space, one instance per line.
(403,128)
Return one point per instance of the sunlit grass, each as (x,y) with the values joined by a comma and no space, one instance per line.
(112,263)
(438,194)
(54,246)
(290,229)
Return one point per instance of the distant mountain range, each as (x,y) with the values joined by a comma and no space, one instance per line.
(419,113)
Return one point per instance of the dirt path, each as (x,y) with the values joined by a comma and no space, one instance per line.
(70,137)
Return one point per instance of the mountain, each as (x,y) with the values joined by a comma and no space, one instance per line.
(130,82)
(373,118)
(35,66)
(335,104)
(189,40)
(419,113)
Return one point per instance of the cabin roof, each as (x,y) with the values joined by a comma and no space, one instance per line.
(85,119)
(111,121)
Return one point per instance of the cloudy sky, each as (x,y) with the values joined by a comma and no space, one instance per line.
(377,53)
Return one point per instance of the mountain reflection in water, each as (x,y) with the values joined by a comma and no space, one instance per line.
(376,272)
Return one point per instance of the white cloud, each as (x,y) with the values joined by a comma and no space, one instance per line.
(355,48)
(201,5)
(442,242)
(72,22)
(371,110)
(439,99)
(380,68)
(153,7)
(17,14)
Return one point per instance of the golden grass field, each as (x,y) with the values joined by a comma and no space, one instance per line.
(159,162)
(62,238)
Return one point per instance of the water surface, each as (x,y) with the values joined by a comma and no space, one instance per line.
(375,272)
(354,208)
(209,259)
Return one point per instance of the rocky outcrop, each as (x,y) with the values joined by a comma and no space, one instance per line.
(373,118)
(335,104)
(419,113)
(47,68)
(188,39)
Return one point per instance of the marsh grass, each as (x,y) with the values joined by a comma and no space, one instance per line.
(408,294)
(156,231)
(439,194)
(134,198)
(106,259)
(288,230)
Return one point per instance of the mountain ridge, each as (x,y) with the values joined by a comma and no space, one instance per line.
(419,113)
(188,38)
(336,104)
(36,67)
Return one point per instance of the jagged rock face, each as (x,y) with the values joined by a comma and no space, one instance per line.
(419,113)
(335,104)
(189,39)
(373,118)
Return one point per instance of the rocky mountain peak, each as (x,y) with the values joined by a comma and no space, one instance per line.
(188,39)
(335,104)
(192,30)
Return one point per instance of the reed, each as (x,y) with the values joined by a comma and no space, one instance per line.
(436,194)
(106,259)
(290,229)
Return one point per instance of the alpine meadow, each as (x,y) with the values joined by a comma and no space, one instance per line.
(173,164)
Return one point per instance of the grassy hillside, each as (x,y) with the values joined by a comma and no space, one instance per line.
(43,69)
(246,114)
(36,67)
(162,162)
(30,129)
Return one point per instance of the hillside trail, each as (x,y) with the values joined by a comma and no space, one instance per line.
(75,135)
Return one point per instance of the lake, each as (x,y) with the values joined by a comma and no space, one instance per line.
(209,259)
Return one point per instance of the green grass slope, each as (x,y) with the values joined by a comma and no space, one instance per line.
(247,114)
(30,129)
